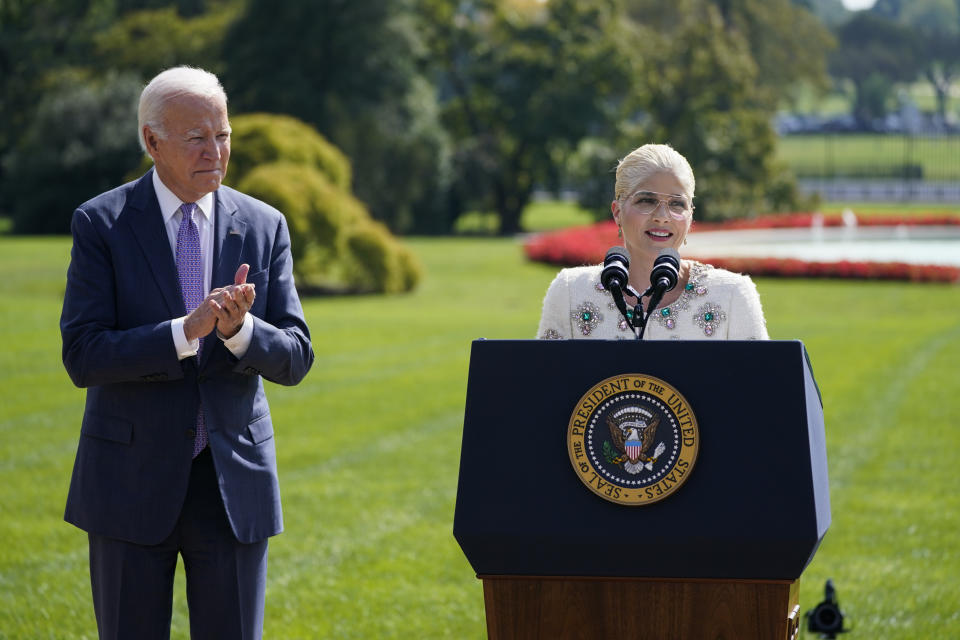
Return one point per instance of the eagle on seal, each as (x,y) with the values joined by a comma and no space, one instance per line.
(633,438)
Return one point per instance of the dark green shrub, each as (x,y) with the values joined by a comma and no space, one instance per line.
(79,143)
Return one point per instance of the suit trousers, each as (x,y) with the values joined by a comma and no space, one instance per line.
(226,580)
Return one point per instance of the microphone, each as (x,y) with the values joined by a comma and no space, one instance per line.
(665,272)
(663,278)
(614,278)
(616,269)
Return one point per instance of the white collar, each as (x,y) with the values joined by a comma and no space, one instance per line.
(170,203)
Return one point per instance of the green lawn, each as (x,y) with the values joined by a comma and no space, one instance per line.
(537,216)
(839,101)
(368,450)
(871,155)
(909,209)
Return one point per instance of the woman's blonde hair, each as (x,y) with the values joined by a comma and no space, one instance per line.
(648,160)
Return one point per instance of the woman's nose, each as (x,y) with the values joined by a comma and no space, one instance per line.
(660,211)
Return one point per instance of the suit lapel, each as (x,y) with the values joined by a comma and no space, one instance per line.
(228,234)
(146,222)
(229,231)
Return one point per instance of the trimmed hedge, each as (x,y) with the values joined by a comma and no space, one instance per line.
(262,138)
(336,245)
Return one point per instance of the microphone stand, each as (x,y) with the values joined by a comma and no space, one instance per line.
(638,321)
(644,317)
(618,300)
(663,277)
(656,295)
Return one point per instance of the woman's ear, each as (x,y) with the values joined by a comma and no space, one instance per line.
(615,209)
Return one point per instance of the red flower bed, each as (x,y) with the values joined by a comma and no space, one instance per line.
(573,246)
(588,245)
(795,268)
(790,220)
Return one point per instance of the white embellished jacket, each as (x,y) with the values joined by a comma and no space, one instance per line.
(715,305)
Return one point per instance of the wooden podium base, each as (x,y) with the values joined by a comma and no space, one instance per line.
(551,608)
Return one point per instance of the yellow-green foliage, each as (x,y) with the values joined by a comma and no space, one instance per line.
(378,257)
(335,242)
(315,209)
(260,138)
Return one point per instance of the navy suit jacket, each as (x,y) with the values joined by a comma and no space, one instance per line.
(134,457)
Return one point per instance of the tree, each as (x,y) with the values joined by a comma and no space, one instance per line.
(704,96)
(353,74)
(55,48)
(335,243)
(940,57)
(80,142)
(874,54)
(37,38)
(522,84)
(149,40)
(786,42)
(889,9)
(701,86)
(831,12)
(937,25)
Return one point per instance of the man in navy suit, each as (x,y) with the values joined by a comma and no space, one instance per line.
(180,300)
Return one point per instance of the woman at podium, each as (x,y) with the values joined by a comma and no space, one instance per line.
(653,209)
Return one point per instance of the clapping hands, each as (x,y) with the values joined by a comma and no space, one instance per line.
(223,309)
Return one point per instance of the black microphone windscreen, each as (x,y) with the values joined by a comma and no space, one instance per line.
(617,253)
(616,265)
(671,255)
(666,270)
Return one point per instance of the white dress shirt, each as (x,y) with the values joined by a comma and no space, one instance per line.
(172,216)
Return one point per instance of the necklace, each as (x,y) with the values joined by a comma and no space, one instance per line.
(707,317)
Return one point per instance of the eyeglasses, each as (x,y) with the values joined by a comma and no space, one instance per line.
(646,202)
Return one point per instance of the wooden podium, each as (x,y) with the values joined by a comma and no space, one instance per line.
(719,558)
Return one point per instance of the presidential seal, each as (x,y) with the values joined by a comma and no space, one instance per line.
(633,439)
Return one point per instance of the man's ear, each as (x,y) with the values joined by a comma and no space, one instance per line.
(150,140)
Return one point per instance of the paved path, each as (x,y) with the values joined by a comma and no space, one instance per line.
(915,244)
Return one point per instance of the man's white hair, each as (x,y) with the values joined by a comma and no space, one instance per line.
(169,84)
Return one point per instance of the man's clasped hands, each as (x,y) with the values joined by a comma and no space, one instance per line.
(223,309)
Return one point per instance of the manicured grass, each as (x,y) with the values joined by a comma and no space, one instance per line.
(911,209)
(871,155)
(541,215)
(837,102)
(546,215)
(368,449)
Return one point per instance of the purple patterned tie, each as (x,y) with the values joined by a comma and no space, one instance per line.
(190,270)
